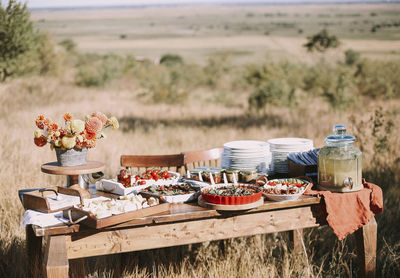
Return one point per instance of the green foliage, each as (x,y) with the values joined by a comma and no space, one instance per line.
(98,70)
(217,66)
(381,131)
(275,92)
(167,84)
(334,83)
(378,79)
(69,45)
(351,57)
(273,83)
(322,41)
(23,50)
(17,37)
(171,60)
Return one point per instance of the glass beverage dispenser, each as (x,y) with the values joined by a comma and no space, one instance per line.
(339,163)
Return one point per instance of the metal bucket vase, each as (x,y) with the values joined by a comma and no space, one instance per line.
(71,157)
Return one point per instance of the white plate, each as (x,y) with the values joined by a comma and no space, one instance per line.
(245,144)
(115,187)
(290,141)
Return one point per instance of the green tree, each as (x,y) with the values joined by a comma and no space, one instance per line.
(321,41)
(17,37)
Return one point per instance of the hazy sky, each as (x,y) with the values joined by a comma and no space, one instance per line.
(95,3)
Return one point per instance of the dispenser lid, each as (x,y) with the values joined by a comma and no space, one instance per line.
(339,135)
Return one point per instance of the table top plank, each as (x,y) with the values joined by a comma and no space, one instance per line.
(183,212)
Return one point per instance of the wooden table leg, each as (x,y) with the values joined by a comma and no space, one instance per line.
(34,251)
(296,240)
(366,238)
(55,262)
(72,179)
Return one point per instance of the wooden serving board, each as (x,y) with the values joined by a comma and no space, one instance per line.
(37,200)
(205,204)
(95,223)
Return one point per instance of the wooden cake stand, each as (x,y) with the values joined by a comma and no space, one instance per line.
(73,172)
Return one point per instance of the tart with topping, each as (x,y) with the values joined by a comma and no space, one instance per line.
(231,194)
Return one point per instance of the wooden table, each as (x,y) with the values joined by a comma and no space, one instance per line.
(186,224)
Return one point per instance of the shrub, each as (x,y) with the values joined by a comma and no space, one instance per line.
(273,83)
(378,79)
(171,60)
(351,57)
(321,41)
(334,83)
(98,70)
(166,84)
(68,44)
(217,66)
(276,92)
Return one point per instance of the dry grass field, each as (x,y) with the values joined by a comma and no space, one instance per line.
(195,32)
(207,117)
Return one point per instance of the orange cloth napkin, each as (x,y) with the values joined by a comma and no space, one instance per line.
(347,212)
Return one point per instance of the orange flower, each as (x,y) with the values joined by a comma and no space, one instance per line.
(47,122)
(41,141)
(53,127)
(40,118)
(67,117)
(101,117)
(80,145)
(39,121)
(93,125)
(90,135)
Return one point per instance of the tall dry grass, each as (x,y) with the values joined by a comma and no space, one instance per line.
(198,123)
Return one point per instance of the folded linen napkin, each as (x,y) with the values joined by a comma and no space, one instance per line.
(347,212)
(42,219)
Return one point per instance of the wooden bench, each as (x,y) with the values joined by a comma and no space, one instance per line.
(185,224)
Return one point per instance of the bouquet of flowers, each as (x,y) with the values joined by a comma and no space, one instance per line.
(75,133)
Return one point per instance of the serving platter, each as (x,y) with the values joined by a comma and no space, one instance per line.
(286,197)
(115,187)
(89,219)
(174,199)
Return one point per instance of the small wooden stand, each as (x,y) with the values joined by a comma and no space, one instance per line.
(73,172)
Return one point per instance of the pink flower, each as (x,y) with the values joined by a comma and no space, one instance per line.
(101,117)
(93,125)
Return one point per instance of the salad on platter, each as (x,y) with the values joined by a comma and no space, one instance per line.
(174,193)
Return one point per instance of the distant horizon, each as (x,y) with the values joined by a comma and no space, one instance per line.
(89,4)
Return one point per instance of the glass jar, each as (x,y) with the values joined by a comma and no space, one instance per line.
(339,163)
(248,176)
(216,174)
(229,175)
(195,173)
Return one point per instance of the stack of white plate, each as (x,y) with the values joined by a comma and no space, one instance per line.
(281,147)
(246,155)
